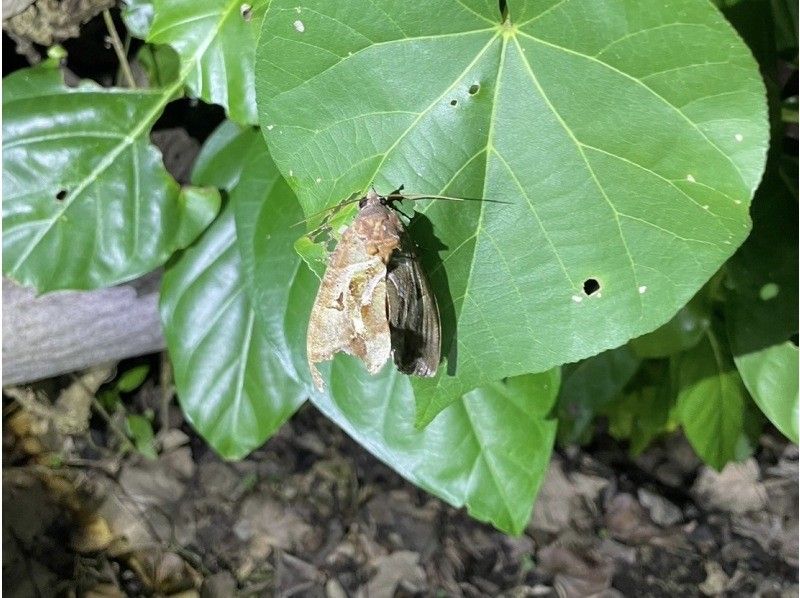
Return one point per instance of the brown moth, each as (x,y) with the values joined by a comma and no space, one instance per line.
(375,300)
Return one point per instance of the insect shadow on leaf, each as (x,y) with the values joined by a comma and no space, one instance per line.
(420,230)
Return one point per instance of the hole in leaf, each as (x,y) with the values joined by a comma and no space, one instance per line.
(590,286)
(503,5)
(453,102)
(62,193)
(246,11)
(473,89)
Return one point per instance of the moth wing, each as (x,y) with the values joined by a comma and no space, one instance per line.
(349,312)
(413,316)
(321,344)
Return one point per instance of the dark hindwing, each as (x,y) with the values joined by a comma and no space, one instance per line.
(413,314)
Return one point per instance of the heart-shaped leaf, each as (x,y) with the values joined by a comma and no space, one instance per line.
(712,402)
(488,451)
(627,137)
(87,202)
(216,40)
(230,376)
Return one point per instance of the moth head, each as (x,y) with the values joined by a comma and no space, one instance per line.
(371,199)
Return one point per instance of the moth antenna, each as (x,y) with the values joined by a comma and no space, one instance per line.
(326,210)
(415,197)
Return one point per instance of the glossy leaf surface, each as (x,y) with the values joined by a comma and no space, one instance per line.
(229,375)
(216,41)
(87,202)
(626,136)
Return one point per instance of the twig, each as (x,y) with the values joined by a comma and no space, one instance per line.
(165,381)
(120,51)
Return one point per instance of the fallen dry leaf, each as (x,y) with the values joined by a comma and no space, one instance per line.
(398,567)
(735,489)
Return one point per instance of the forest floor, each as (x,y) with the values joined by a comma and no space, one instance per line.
(311,513)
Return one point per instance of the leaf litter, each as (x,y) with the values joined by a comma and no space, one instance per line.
(312,514)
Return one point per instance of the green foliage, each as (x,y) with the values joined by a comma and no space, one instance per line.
(133,378)
(663,174)
(624,141)
(215,40)
(87,202)
(228,372)
(141,430)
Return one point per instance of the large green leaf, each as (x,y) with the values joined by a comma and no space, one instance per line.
(626,135)
(488,451)
(216,40)
(87,202)
(712,401)
(230,385)
(230,375)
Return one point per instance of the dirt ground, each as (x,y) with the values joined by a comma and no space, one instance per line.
(313,514)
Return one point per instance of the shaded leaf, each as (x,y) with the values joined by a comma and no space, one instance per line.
(87,202)
(762,304)
(160,63)
(224,155)
(216,41)
(488,451)
(683,331)
(645,411)
(627,136)
(588,385)
(711,401)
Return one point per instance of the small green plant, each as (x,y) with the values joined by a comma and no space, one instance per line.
(139,428)
(627,141)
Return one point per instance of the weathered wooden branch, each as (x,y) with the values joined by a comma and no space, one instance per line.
(66,331)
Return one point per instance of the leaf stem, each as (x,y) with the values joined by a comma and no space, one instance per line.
(116,42)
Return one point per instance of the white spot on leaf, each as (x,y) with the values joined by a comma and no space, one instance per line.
(577,298)
(270,127)
(642,289)
(690,178)
(738,137)
(769,291)
(299,27)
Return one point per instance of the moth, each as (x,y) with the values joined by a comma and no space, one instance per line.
(375,300)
